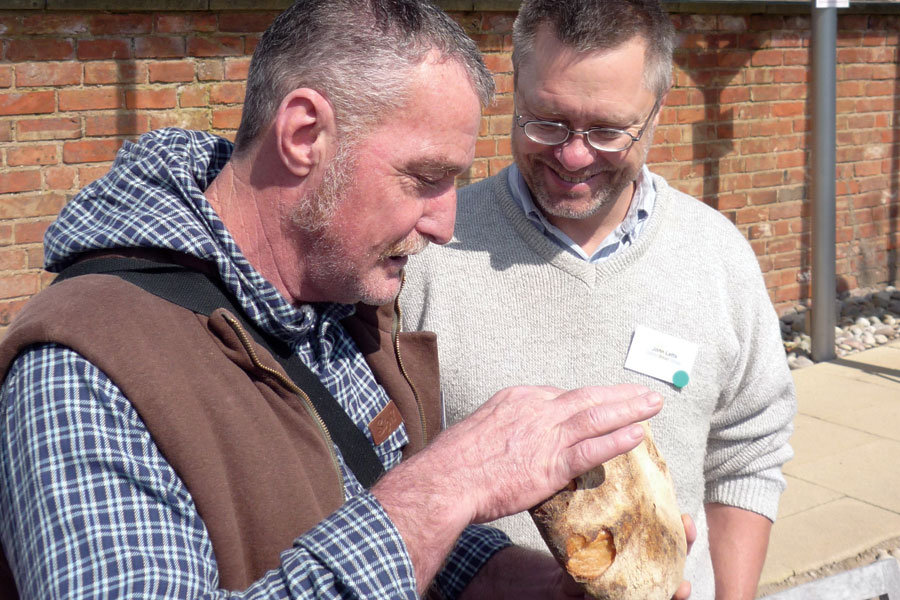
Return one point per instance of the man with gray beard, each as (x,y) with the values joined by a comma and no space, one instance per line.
(286,441)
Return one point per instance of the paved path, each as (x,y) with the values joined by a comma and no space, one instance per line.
(843,495)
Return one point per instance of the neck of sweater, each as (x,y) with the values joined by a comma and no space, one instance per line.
(589,272)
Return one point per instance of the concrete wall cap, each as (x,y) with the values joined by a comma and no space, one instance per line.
(674,6)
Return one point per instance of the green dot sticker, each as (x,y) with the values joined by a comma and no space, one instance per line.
(680,379)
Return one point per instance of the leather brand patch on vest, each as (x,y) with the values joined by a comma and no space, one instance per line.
(385,423)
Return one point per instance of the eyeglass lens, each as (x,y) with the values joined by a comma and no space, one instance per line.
(557,133)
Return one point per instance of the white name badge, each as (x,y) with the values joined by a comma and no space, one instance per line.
(661,356)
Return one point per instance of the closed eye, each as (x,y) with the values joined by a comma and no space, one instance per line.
(428,180)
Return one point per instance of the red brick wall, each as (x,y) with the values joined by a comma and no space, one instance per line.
(737,134)
(734,132)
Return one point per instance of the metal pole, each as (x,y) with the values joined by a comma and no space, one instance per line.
(823,163)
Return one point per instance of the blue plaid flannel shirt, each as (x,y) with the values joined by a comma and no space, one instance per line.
(88,506)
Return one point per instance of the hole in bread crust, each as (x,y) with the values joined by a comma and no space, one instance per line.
(589,559)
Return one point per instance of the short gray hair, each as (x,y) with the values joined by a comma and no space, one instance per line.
(587,25)
(358,54)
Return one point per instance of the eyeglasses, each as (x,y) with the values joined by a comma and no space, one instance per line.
(605,139)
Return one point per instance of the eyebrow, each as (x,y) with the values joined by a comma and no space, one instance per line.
(437,166)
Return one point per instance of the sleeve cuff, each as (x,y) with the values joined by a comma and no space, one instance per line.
(475,546)
(363,550)
(759,494)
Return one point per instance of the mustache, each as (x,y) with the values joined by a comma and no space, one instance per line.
(406,247)
(554,164)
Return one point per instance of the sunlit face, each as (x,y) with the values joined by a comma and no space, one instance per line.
(582,90)
(400,193)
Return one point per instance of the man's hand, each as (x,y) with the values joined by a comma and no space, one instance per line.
(520,447)
(690,533)
(526,443)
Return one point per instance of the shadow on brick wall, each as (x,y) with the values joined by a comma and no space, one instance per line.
(715,62)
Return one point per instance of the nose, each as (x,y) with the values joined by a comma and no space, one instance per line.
(575,153)
(436,223)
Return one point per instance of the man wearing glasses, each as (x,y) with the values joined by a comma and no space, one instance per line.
(577,265)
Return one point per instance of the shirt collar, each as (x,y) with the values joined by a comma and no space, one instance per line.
(623,235)
(153,197)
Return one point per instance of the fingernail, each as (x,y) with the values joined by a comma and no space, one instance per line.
(653,400)
(636,432)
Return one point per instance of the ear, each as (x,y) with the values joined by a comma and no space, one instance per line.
(305,131)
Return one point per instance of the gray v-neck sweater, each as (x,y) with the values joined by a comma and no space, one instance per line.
(510,307)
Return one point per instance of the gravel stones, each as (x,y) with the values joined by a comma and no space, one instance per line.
(866,318)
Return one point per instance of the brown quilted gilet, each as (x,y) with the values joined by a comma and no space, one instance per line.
(219,417)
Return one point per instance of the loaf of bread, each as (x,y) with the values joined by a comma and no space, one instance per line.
(617,529)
